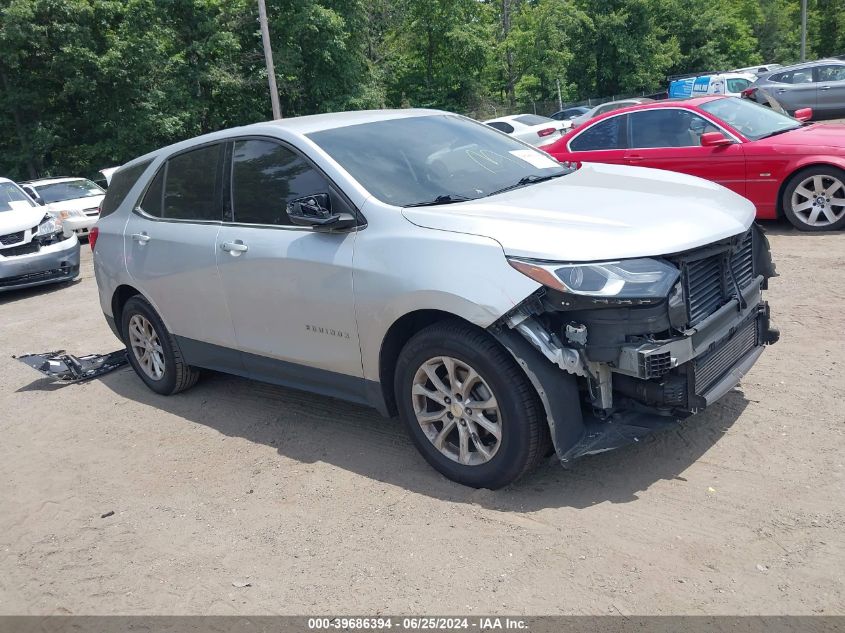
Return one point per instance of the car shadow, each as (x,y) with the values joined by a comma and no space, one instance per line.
(783,227)
(10,296)
(310,428)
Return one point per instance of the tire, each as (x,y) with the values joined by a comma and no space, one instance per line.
(814,199)
(453,349)
(168,373)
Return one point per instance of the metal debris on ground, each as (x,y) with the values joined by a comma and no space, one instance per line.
(69,368)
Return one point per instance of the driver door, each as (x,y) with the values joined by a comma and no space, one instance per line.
(670,138)
(288,288)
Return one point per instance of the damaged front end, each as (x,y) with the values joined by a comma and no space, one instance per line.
(619,349)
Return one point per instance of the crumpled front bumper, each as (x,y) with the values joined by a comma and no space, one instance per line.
(51,264)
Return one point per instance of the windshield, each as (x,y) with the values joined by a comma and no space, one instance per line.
(753,120)
(12,198)
(70,190)
(419,159)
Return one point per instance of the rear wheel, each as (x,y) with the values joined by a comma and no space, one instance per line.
(468,406)
(814,199)
(152,350)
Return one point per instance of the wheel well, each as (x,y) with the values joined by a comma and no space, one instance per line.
(782,188)
(397,335)
(121,295)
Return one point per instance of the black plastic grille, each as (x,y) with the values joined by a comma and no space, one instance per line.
(710,367)
(656,365)
(23,249)
(708,284)
(11,238)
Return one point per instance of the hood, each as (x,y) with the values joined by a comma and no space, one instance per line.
(20,219)
(599,212)
(815,135)
(76,204)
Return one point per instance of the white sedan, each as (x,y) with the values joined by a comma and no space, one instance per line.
(531,128)
(75,200)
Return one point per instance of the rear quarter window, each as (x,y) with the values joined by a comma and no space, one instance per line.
(502,126)
(122,182)
(608,134)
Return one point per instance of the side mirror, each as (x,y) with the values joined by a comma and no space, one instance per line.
(715,139)
(804,114)
(315,211)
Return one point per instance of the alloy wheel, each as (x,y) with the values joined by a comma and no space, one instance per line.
(146,346)
(819,200)
(457,410)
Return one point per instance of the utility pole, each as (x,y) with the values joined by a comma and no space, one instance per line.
(268,59)
(803,30)
(559,100)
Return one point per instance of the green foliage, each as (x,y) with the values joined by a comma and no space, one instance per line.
(86,84)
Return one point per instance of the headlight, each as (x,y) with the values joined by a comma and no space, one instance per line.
(49,225)
(624,279)
(70,213)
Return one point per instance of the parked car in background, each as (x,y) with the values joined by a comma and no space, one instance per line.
(819,85)
(76,200)
(501,307)
(33,247)
(567,114)
(783,165)
(731,84)
(610,106)
(530,128)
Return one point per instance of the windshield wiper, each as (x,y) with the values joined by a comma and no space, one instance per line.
(776,132)
(530,179)
(445,199)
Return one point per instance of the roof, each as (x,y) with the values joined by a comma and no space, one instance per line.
(40,182)
(299,126)
(815,62)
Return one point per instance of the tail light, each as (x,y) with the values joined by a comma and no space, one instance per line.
(93,234)
(748,93)
(546,132)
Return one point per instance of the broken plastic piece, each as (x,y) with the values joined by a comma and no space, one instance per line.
(68,368)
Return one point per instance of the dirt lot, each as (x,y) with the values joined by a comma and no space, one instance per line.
(325,507)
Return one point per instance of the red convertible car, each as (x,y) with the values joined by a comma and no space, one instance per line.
(784,165)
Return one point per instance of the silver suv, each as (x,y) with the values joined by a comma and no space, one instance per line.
(819,85)
(502,304)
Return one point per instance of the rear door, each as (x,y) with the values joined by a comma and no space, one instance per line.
(830,99)
(289,288)
(170,241)
(670,138)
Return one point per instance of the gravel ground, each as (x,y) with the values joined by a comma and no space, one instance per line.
(319,506)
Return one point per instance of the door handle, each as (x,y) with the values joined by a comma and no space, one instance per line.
(141,238)
(635,158)
(825,88)
(780,91)
(234,248)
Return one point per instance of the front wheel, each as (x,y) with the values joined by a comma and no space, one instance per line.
(814,199)
(469,408)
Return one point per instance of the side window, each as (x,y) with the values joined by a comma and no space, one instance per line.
(190,185)
(122,181)
(831,73)
(502,126)
(607,134)
(667,128)
(737,84)
(804,76)
(265,177)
